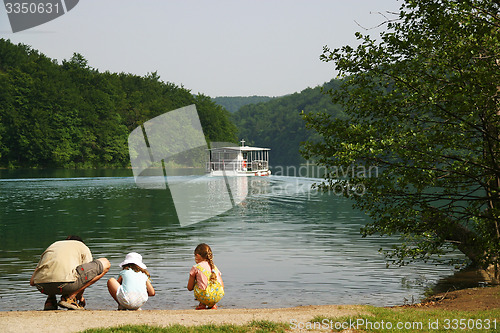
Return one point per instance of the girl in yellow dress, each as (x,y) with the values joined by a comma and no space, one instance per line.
(205,279)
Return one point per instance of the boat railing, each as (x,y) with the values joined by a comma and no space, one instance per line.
(239,166)
(225,166)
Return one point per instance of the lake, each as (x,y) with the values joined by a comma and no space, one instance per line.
(282,245)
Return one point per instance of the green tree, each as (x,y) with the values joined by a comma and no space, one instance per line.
(215,120)
(234,103)
(72,116)
(423,108)
(277,124)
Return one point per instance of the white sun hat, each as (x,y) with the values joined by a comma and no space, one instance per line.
(133,258)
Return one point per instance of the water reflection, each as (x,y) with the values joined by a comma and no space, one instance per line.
(283,245)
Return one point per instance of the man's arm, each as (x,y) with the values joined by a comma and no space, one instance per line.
(32,280)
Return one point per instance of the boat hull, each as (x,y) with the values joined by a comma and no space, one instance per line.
(232,173)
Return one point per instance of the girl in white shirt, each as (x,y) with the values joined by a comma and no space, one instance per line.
(133,286)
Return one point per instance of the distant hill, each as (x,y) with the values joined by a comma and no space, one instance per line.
(233,104)
(70,115)
(277,124)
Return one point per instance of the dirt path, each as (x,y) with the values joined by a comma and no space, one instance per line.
(62,321)
(472,299)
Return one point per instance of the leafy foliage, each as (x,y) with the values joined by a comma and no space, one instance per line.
(278,124)
(72,116)
(234,103)
(423,107)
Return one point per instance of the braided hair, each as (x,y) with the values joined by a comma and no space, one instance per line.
(204,251)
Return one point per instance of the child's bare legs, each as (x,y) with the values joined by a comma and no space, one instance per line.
(113,286)
(201,306)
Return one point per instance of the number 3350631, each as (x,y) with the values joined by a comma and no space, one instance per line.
(31,8)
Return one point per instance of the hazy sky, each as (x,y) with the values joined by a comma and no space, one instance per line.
(215,47)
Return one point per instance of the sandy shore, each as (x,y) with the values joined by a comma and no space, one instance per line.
(63,321)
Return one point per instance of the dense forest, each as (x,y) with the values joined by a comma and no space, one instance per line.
(234,103)
(70,115)
(278,124)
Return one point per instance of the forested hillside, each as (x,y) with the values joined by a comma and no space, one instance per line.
(70,115)
(278,125)
(234,103)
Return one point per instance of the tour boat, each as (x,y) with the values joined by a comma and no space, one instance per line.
(238,161)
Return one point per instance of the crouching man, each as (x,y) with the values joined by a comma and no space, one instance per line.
(66,268)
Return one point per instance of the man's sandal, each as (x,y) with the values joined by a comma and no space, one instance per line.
(70,304)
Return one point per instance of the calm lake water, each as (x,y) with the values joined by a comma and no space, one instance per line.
(282,246)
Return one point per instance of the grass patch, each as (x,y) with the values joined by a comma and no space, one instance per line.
(400,320)
(261,326)
(403,320)
(266,326)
